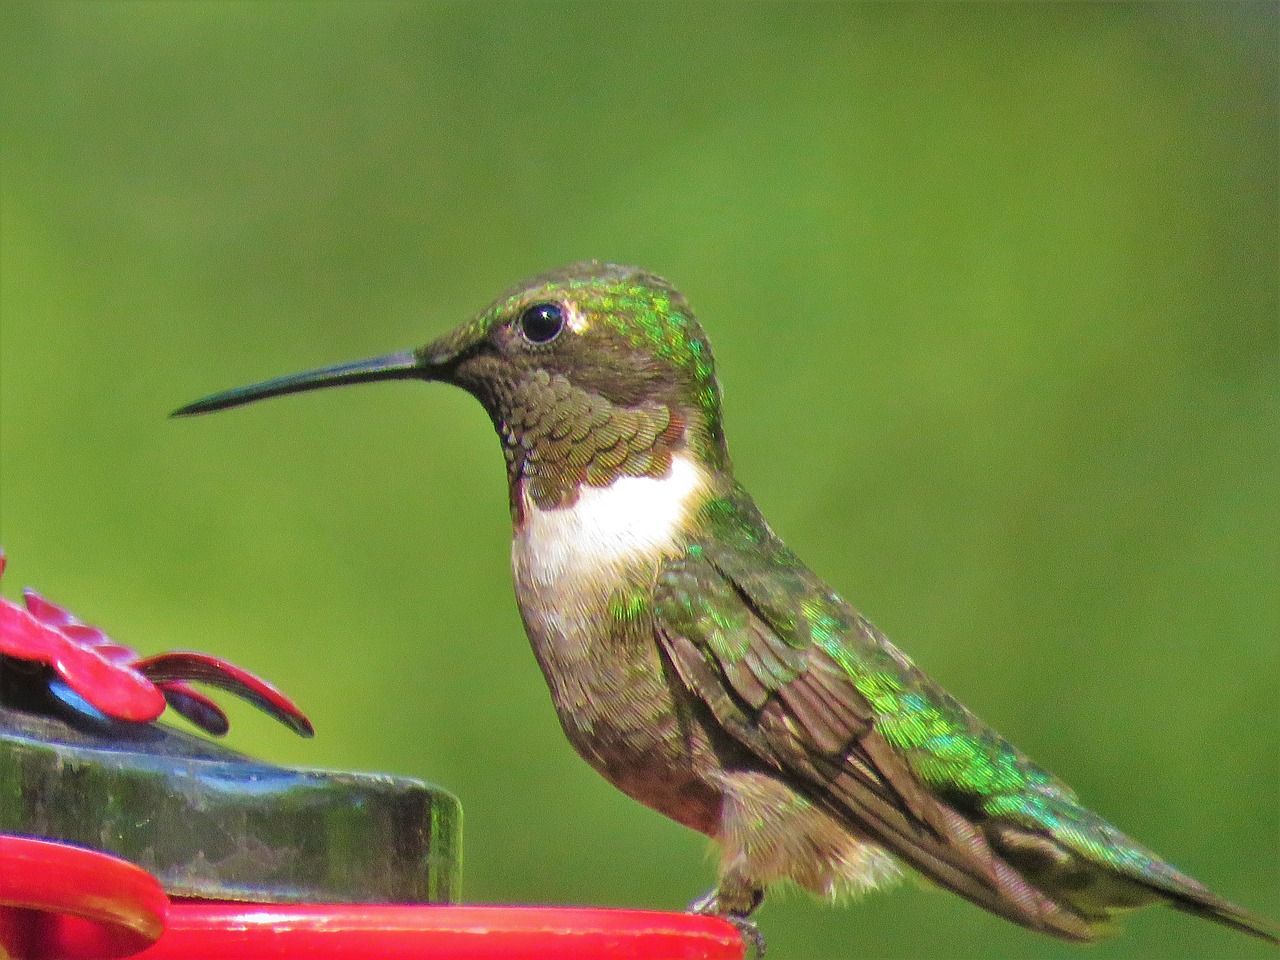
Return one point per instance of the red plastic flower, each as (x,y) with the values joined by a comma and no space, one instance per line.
(117,682)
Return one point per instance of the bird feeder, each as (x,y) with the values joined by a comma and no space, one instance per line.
(123,837)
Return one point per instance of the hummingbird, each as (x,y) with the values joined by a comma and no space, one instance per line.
(704,670)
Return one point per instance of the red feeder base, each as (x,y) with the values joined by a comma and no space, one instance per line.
(74,904)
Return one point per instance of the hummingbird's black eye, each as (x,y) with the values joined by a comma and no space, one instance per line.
(542,322)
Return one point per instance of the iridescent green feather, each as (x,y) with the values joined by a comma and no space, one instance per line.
(742,611)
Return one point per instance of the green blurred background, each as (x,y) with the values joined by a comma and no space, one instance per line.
(994,295)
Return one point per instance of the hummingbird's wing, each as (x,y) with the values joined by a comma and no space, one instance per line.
(803,681)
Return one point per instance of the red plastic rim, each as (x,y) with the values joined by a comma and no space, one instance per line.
(71,903)
(60,900)
(376,932)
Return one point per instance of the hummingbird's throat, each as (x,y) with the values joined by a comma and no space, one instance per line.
(558,438)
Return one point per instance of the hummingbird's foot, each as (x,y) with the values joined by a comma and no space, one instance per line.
(737,911)
(750,934)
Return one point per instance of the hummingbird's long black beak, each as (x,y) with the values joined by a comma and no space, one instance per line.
(405,365)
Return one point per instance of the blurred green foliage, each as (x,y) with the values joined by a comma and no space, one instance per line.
(994,293)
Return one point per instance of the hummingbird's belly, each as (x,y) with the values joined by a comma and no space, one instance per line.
(619,710)
(583,576)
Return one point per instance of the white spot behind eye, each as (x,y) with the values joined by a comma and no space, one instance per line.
(574,318)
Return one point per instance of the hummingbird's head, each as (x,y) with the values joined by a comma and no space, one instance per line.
(590,373)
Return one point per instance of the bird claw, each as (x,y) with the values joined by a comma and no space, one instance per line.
(709,906)
(751,935)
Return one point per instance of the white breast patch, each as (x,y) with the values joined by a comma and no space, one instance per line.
(607,528)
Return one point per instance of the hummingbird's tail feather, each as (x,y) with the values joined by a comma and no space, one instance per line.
(1201,902)
(1078,857)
